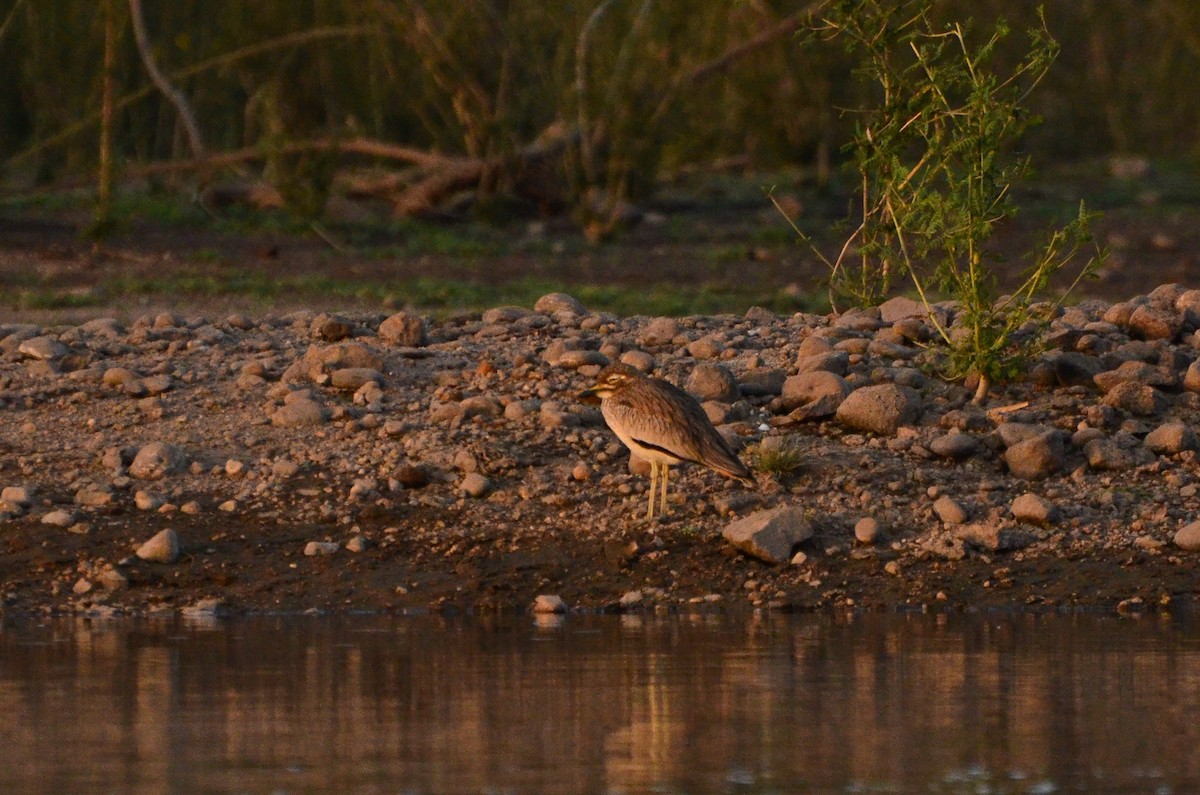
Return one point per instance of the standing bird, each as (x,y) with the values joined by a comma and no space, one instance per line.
(663,425)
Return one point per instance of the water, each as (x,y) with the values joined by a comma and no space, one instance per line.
(865,704)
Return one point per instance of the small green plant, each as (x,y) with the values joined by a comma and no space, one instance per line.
(782,458)
(936,171)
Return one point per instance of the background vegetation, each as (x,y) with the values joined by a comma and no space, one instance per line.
(630,90)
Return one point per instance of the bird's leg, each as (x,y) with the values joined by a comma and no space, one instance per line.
(653,484)
(666,475)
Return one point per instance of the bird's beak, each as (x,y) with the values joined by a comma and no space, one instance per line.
(591,394)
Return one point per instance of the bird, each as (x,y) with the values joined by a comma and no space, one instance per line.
(662,424)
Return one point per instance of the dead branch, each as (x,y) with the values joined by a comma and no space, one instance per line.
(173,95)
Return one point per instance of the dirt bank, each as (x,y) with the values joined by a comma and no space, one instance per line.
(344,462)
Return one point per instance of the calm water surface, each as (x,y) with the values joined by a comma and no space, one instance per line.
(864,704)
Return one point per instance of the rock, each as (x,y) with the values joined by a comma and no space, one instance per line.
(549,603)
(818,393)
(705,348)
(553,303)
(299,413)
(1171,438)
(1073,369)
(59,518)
(880,409)
(404,329)
(901,308)
(866,530)
(1107,455)
(955,446)
(162,548)
(1038,457)
(157,460)
(315,548)
(831,362)
(949,510)
(1191,379)
(148,501)
(17,495)
(352,378)
(111,579)
(769,535)
(1033,509)
(630,599)
(1188,537)
(712,382)
(320,360)
(43,349)
(331,327)
(1154,322)
(82,586)
(359,543)
(573,360)
(1137,372)
(93,496)
(475,485)
(992,537)
(659,331)
(762,381)
(157,384)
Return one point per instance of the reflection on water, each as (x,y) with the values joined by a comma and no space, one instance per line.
(958,704)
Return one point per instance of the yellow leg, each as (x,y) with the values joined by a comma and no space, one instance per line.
(653,485)
(666,475)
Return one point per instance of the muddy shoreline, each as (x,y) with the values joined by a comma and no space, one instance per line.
(392,462)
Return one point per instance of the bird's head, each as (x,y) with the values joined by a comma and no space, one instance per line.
(610,380)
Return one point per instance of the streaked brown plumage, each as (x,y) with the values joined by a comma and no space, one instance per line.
(663,425)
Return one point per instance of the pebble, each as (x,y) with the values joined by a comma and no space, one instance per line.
(300,413)
(358,543)
(1187,537)
(404,329)
(949,510)
(955,446)
(549,603)
(314,548)
(157,460)
(59,518)
(866,530)
(161,548)
(1033,509)
(1035,458)
(475,485)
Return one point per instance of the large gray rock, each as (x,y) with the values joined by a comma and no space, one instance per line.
(1033,509)
(993,536)
(880,409)
(1137,372)
(955,446)
(1155,322)
(43,348)
(769,535)
(900,308)
(832,361)
(1188,537)
(1171,438)
(817,393)
(552,303)
(1036,457)
(162,548)
(405,329)
(157,460)
(299,413)
(1142,400)
(712,382)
